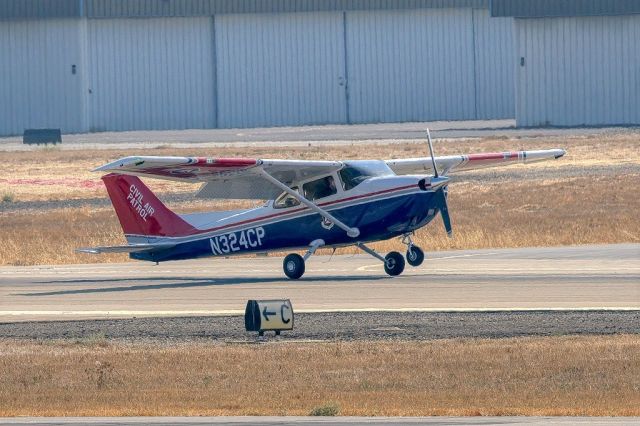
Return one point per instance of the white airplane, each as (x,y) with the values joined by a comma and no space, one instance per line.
(312,204)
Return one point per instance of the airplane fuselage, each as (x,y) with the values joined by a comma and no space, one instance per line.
(381,208)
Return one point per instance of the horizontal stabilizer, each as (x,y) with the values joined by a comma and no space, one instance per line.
(130,248)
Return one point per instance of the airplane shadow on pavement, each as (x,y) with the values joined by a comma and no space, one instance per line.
(185,282)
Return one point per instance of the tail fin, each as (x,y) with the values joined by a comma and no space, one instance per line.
(140,212)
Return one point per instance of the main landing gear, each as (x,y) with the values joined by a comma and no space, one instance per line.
(293,263)
(293,266)
(394,262)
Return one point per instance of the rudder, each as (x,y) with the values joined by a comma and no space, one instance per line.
(139,211)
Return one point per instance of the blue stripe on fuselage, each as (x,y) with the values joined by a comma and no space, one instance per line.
(377,220)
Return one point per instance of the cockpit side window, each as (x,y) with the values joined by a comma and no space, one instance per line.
(286,200)
(356,172)
(319,188)
(351,177)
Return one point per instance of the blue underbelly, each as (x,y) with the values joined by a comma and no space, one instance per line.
(376,220)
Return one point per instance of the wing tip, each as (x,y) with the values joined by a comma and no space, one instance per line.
(560,154)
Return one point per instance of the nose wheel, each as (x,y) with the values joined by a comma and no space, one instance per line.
(415,256)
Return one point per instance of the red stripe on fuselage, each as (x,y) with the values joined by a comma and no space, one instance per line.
(270,216)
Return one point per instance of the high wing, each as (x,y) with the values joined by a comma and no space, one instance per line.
(224,178)
(248,178)
(452,163)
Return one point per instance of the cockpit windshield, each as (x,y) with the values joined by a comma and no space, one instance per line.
(356,172)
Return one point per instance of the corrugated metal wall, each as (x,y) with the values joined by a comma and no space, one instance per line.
(28,9)
(243,70)
(431,64)
(280,69)
(549,8)
(495,62)
(22,9)
(151,73)
(37,88)
(410,65)
(578,71)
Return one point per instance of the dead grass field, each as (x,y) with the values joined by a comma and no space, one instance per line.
(587,376)
(53,174)
(562,209)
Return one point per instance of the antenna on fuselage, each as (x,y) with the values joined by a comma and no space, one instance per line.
(433,159)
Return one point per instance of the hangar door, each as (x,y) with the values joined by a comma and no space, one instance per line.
(578,71)
(151,74)
(410,65)
(41,68)
(280,69)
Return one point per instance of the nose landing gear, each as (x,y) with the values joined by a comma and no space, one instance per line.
(415,255)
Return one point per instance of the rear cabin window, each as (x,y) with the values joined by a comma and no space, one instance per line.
(319,188)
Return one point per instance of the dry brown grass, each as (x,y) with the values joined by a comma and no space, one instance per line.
(496,213)
(59,175)
(590,376)
(515,214)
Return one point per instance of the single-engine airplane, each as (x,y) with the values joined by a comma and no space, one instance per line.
(312,204)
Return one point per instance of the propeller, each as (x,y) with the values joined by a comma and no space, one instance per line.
(440,194)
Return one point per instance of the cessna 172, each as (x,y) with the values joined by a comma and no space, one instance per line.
(312,204)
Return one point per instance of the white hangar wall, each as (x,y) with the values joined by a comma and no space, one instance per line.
(152,73)
(410,65)
(363,67)
(495,90)
(578,71)
(255,69)
(280,69)
(38,88)
(437,64)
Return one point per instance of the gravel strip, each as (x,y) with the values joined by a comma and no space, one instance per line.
(386,326)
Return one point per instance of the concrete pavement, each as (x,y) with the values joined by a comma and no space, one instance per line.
(562,278)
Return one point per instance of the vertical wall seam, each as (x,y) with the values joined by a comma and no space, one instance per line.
(346,67)
(475,67)
(216,89)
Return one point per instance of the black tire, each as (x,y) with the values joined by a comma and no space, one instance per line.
(394,263)
(293,266)
(415,256)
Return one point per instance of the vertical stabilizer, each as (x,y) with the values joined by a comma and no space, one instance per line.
(140,212)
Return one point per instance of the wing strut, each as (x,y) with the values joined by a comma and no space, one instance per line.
(352,232)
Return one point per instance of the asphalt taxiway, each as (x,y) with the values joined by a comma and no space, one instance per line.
(564,278)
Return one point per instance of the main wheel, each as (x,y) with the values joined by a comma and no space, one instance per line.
(293,266)
(415,256)
(394,263)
